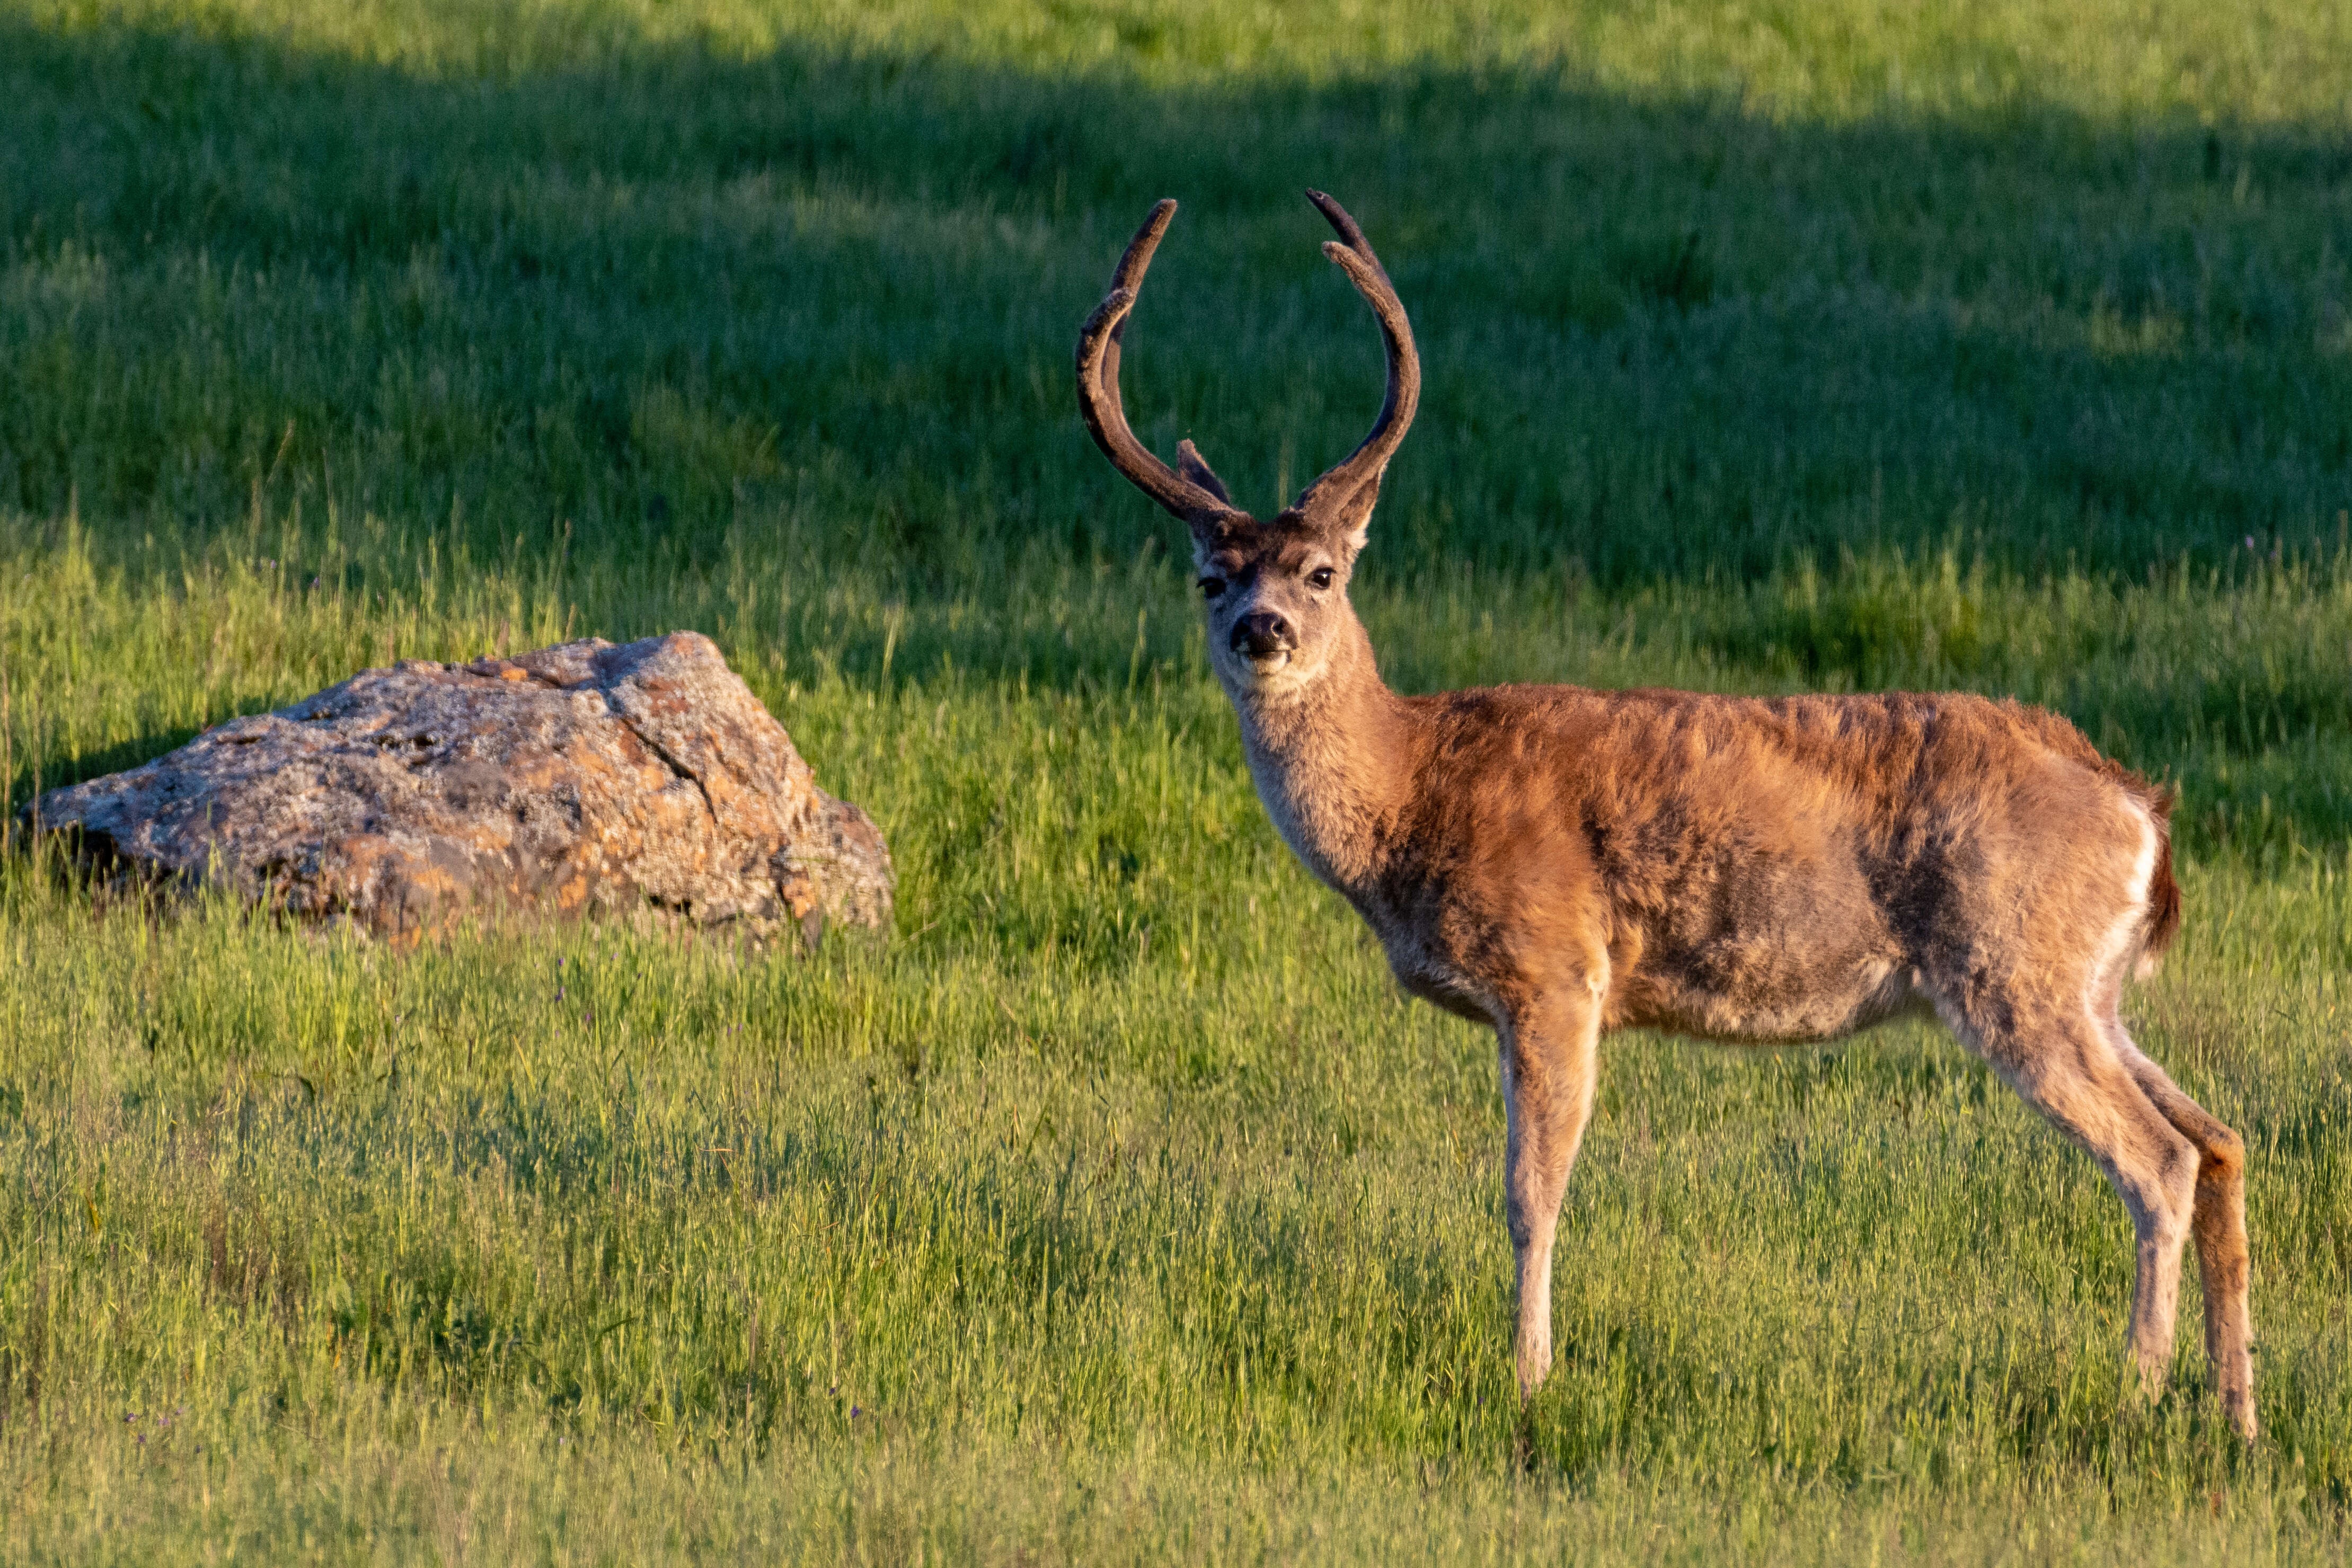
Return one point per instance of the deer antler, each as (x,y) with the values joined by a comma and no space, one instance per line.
(1183,494)
(1336,493)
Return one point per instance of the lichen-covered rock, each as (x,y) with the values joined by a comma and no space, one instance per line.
(581,777)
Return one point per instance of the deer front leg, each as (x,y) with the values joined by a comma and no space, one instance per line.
(1548,1050)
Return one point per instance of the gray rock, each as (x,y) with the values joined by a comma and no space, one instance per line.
(582,777)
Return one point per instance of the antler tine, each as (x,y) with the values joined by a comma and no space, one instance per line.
(1353,253)
(1099,399)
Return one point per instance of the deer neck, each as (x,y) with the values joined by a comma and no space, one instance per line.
(1328,759)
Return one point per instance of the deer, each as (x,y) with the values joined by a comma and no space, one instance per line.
(1558,862)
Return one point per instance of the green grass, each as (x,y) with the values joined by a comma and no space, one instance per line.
(1117,1209)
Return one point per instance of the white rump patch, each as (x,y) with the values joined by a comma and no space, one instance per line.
(2127,927)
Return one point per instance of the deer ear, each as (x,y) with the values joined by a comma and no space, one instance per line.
(1195,468)
(1351,522)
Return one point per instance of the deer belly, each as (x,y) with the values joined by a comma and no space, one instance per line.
(1766,1003)
(1425,975)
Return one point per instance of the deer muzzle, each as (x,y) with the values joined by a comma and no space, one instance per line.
(1262,634)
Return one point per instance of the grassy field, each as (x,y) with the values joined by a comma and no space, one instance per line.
(1117,1209)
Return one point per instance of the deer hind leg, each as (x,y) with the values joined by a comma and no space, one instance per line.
(2219,1227)
(2066,1067)
(1550,1051)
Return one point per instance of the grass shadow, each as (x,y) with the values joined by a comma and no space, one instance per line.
(833,292)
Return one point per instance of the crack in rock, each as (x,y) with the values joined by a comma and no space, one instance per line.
(658,749)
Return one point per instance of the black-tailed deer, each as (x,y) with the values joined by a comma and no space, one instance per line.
(1558,862)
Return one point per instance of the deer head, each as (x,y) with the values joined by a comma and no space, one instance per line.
(1276,590)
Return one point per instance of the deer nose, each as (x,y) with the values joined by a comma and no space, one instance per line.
(1263,634)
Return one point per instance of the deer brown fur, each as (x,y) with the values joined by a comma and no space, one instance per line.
(1556,862)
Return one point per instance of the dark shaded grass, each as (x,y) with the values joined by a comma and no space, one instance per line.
(1666,338)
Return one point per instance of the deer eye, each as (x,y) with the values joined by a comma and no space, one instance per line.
(1320,578)
(1212,586)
